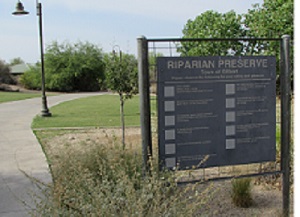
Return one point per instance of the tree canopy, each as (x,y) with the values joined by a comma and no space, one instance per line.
(69,67)
(16,61)
(211,24)
(121,74)
(77,67)
(122,77)
(272,19)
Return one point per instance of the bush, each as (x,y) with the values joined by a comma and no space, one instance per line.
(74,67)
(68,68)
(241,192)
(108,181)
(31,79)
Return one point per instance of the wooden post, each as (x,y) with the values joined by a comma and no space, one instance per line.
(145,113)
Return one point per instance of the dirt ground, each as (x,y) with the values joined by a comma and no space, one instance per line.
(266,194)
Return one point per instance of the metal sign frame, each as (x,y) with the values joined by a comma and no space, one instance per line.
(285,87)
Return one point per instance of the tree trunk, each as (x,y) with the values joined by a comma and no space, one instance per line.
(122,119)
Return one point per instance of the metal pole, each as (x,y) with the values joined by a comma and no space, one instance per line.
(45,111)
(145,114)
(285,122)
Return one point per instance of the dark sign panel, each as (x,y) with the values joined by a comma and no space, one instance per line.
(215,111)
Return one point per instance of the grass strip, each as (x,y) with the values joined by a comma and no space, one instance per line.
(16,96)
(95,111)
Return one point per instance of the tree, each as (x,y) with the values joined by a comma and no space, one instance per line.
(69,67)
(122,78)
(16,61)
(32,79)
(272,19)
(5,76)
(211,24)
(77,67)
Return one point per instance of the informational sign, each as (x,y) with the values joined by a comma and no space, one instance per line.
(216,111)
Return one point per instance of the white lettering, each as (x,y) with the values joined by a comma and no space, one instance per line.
(243,63)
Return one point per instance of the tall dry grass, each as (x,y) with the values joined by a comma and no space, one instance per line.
(108,181)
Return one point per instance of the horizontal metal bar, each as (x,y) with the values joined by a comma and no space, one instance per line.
(153,47)
(230,177)
(210,39)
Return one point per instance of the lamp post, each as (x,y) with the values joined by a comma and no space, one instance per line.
(20,11)
(120,52)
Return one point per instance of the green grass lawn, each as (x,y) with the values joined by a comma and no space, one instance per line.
(14,96)
(96,111)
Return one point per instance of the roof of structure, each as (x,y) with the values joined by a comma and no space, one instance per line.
(19,68)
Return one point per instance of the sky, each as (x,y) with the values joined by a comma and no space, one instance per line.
(103,23)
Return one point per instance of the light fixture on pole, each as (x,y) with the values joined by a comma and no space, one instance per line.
(120,52)
(20,11)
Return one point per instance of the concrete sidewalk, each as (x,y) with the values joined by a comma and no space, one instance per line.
(20,151)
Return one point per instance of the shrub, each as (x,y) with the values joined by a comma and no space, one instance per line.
(108,181)
(31,79)
(68,67)
(74,67)
(241,192)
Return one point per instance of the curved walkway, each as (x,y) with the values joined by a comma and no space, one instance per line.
(21,154)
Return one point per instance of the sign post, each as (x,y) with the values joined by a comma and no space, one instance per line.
(144,101)
(285,122)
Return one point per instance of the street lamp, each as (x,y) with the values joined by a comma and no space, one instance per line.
(120,52)
(20,11)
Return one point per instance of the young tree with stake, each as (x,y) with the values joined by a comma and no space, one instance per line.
(122,78)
